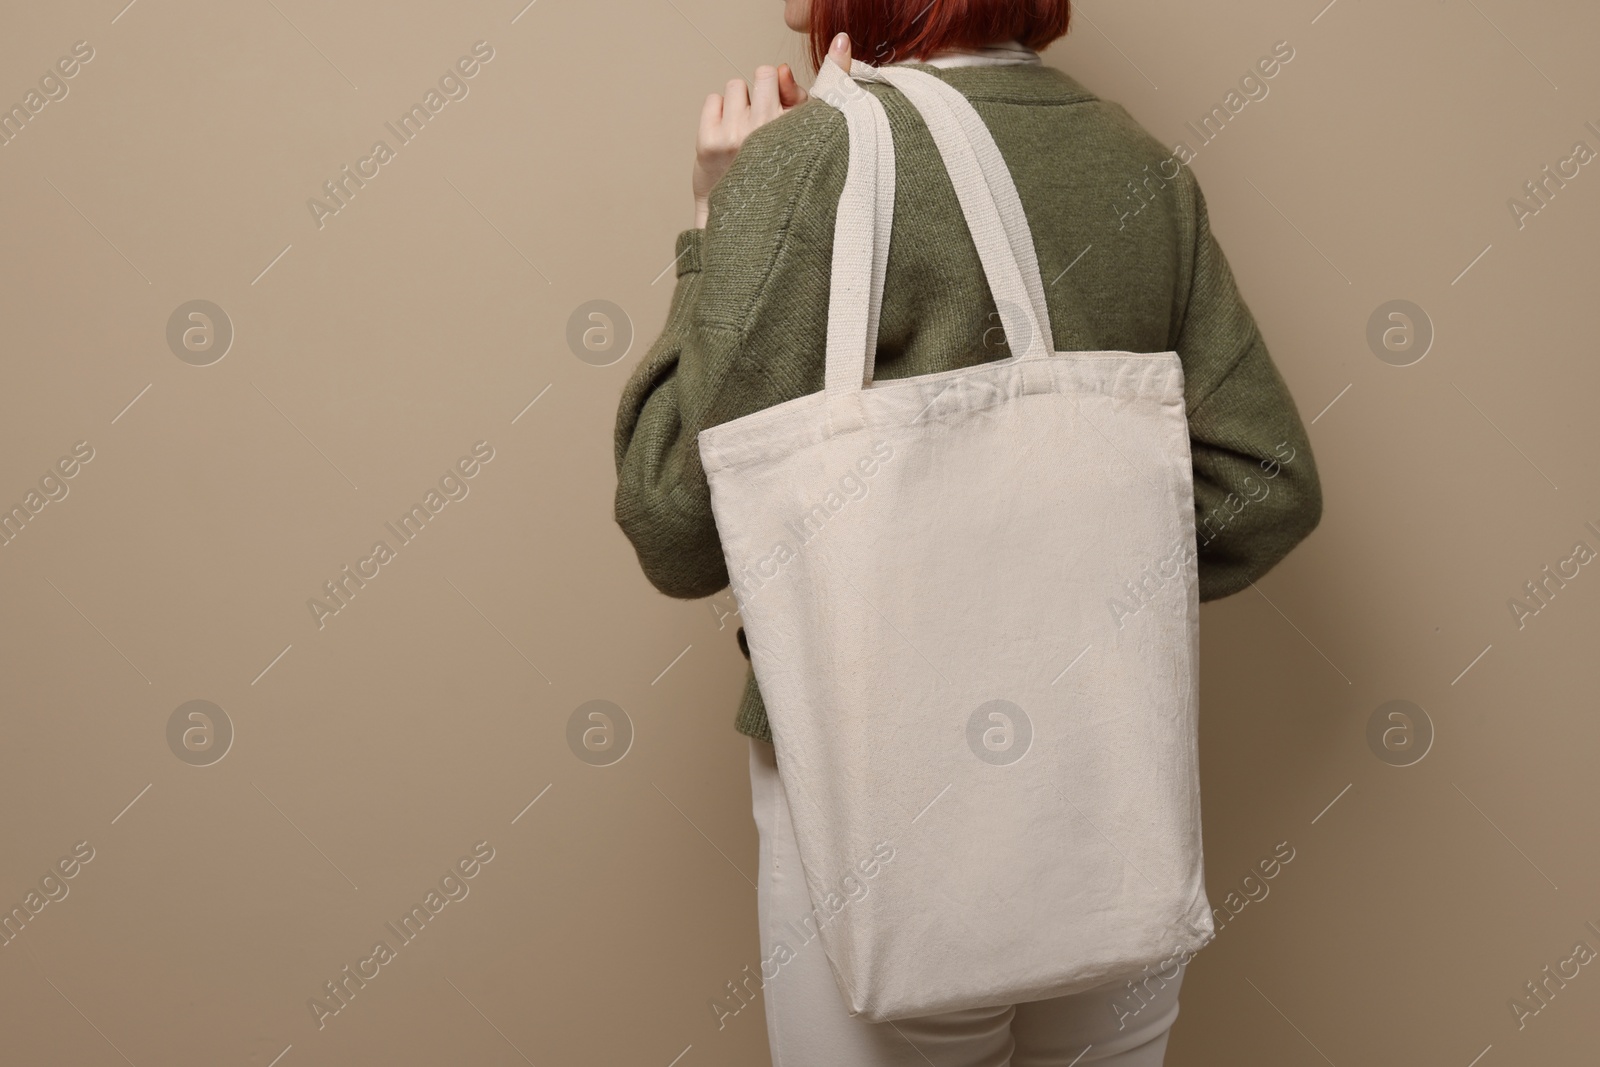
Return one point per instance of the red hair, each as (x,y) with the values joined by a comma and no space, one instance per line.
(883,31)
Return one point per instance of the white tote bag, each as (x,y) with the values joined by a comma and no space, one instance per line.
(984,709)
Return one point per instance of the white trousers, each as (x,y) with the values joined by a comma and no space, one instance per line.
(1123,1024)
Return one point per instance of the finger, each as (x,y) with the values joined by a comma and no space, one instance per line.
(790,94)
(764,105)
(735,100)
(839,51)
(710,115)
(735,113)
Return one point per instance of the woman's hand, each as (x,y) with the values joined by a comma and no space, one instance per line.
(728,117)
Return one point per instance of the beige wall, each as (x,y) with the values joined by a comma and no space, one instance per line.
(370,354)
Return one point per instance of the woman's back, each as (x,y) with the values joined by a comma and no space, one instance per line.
(1128,262)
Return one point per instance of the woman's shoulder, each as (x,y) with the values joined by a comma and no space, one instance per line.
(801,153)
(787,151)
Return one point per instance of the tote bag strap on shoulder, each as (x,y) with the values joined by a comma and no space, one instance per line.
(989,203)
(973,161)
(860,243)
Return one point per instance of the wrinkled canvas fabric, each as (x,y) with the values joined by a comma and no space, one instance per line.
(993,774)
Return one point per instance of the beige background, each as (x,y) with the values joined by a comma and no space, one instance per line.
(370,354)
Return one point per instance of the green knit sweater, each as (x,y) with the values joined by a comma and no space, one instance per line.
(1129,264)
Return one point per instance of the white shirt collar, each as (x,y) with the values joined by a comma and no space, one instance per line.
(994,54)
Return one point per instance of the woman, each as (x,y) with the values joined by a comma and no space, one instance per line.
(1122,238)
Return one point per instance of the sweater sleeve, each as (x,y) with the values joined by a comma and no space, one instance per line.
(676,542)
(749,309)
(1256,489)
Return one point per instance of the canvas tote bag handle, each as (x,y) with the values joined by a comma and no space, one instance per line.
(860,244)
(989,203)
(953,120)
